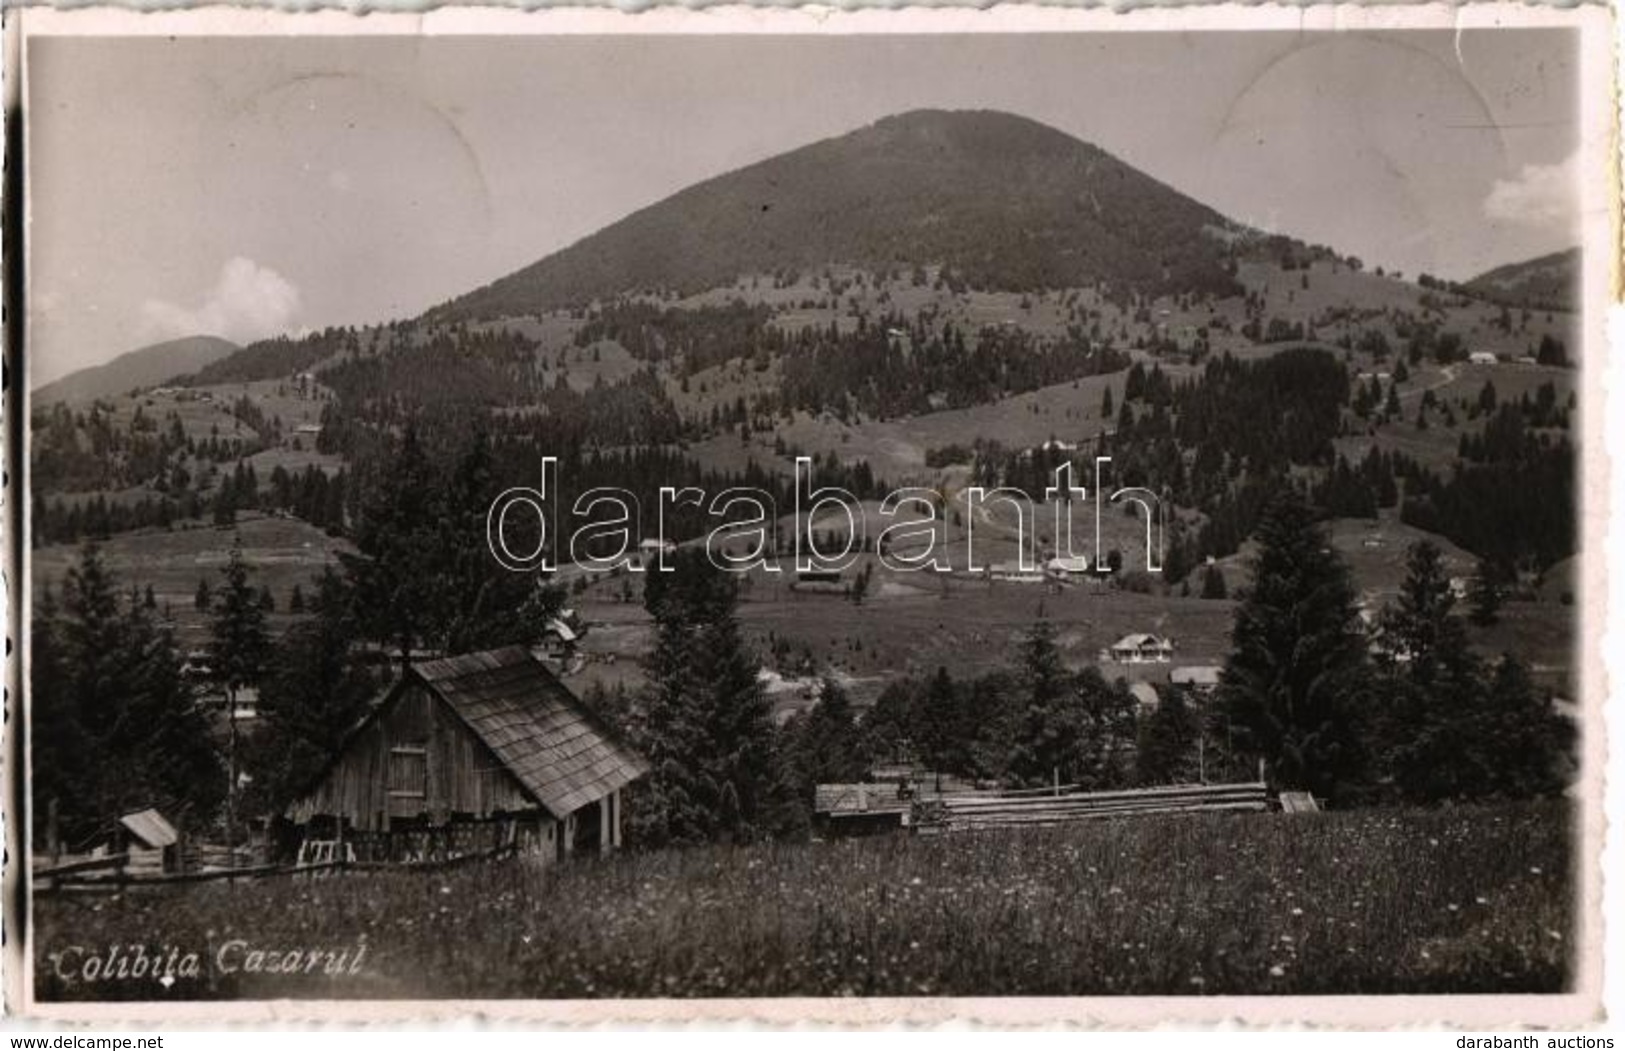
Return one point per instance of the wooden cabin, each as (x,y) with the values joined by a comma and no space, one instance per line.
(469,754)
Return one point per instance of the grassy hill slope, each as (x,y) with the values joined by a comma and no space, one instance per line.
(138,368)
(1547,283)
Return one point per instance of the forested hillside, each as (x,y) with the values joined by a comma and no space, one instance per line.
(998,201)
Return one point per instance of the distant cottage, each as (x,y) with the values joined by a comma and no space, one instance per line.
(1015,573)
(473,753)
(1072,567)
(1140,648)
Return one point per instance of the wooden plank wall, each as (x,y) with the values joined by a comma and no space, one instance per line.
(464,777)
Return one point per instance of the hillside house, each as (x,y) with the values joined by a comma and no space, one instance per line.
(562,635)
(1073,568)
(468,754)
(1015,573)
(1141,648)
(1482,357)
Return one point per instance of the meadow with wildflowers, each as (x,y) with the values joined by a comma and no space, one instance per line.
(1474,899)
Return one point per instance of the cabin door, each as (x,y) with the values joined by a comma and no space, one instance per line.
(589,828)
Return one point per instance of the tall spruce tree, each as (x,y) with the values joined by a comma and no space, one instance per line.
(1167,750)
(1296,683)
(818,746)
(424,574)
(398,536)
(1050,730)
(706,725)
(1459,730)
(1422,627)
(1528,744)
(1434,687)
(946,728)
(239,652)
(486,604)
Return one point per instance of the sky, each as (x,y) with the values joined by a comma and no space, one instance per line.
(245,188)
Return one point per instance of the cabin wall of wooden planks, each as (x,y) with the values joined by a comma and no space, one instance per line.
(460,775)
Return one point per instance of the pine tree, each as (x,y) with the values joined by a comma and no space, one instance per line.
(1166,753)
(1528,746)
(1213,584)
(888,729)
(241,647)
(1049,729)
(820,746)
(1435,688)
(239,652)
(398,537)
(706,725)
(1422,627)
(56,729)
(315,695)
(1295,682)
(1110,727)
(486,605)
(945,731)
(114,727)
(424,575)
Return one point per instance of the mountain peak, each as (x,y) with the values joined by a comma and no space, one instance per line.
(977,129)
(144,367)
(1001,200)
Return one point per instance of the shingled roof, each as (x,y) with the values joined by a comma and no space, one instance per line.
(558,750)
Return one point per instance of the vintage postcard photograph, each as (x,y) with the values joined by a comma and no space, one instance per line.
(1003,514)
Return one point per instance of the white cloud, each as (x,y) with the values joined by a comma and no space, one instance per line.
(248,302)
(1541,195)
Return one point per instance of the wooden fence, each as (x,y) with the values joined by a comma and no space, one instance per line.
(971,811)
(112,873)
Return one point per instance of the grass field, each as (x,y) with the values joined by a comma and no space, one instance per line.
(282,553)
(1449,901)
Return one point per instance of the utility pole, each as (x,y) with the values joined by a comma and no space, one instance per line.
(231,773)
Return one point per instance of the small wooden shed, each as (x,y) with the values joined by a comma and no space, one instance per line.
(150,841)
(472,753)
